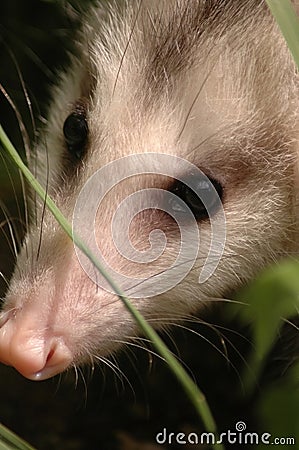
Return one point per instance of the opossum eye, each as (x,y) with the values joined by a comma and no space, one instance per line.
(204,200)
(75,130)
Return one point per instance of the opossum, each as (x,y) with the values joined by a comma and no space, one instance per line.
(172,146)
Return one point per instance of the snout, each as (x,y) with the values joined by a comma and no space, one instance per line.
(30,347)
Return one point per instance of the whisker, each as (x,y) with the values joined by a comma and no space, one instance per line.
(12,242)
(84,383)
(292,324)
(141,347)
(115,369)
(20,121)
(196,97)
(5,279)
(127,46)
(27,98)
(75,368)
(223,354)
(44,205)
(154,353)
(13,186)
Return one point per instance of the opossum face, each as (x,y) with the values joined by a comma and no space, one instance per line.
(178,118)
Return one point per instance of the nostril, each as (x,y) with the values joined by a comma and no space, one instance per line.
(59,358)
(51,353)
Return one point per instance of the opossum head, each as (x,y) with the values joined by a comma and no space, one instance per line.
(171,147)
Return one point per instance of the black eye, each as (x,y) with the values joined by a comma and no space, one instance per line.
(75,130)
(203,198)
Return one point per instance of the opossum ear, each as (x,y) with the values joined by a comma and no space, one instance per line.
(75,130)
(204,201)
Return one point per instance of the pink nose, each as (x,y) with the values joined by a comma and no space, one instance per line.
(32,350)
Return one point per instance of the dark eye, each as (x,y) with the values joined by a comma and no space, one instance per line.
(203,198)
(75,130)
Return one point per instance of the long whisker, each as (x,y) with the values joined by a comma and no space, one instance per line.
(44,204)
(12,185)
(27,98)
(115,369)
(5,279)
(12,242)
(194,102)
(139,346)
(127,46)
(21,124)
(26,142)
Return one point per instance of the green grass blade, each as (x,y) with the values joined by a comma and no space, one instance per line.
(10,441)
(196,397)
(288,22)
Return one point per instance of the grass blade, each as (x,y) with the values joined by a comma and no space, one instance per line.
(10,441)
(288,22)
